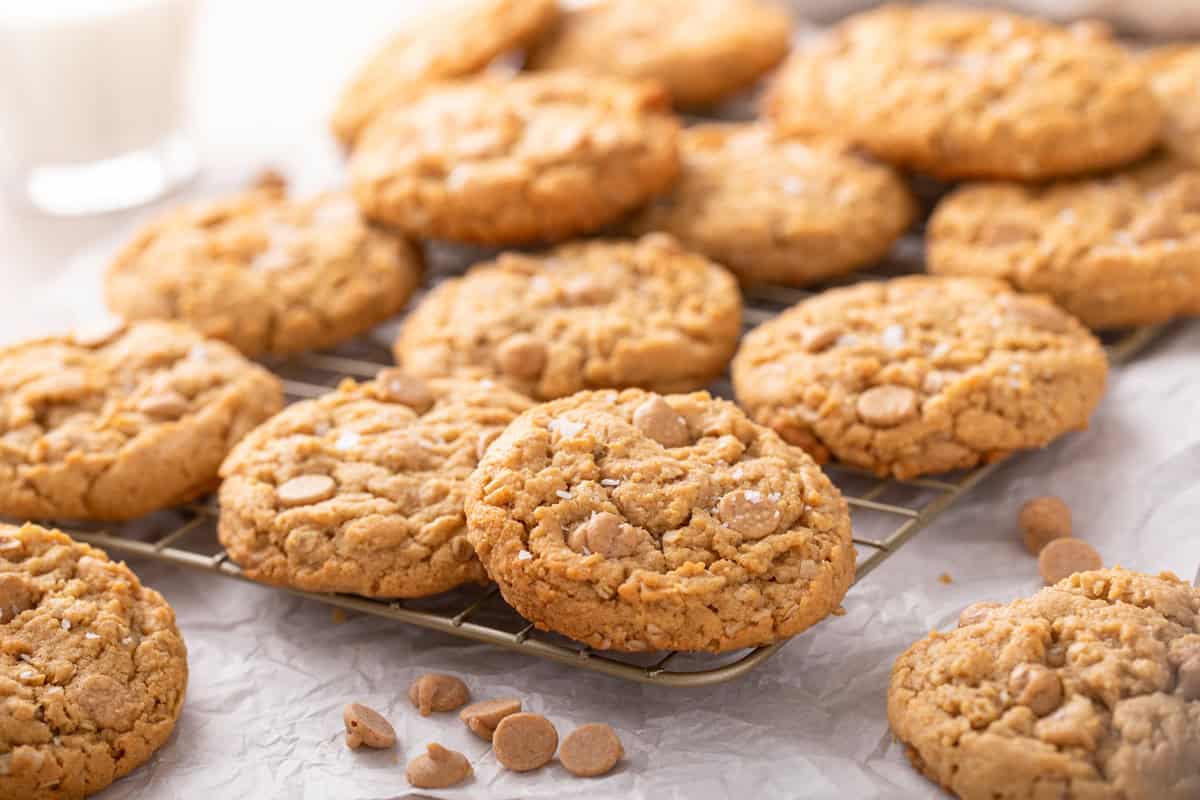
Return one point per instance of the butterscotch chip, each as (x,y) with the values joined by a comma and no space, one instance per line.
(166,405)
(17,595)
(306,490)
(606,534)
(400,387)
(438,768)
(929,374)
(976,612)
(483,717)
(435,691)
(522,356)
(1188,682)
(366,726)
(1036,686)
(524,741)
(750,513)
(1042,520)
(1062,558)
(591,750)
(660,422)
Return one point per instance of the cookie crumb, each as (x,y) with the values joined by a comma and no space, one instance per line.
(840,611)
(339,616)
(945,578)
(435,691)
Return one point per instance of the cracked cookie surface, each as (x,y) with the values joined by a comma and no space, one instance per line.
(1087,689)
(92,667)
(701,50)
(361,490)
(269,275)
(633,521)
(920,374)
(780,209)
(1174,74)
(540,157)
(455,42)
(119,426)
(962,93)
(1116,251)
(587,315)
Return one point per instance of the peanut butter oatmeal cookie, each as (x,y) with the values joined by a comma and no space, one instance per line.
(92,669)
(1115,251)
(123,424)
(589,315)
(1175,78)
(962,93)
(361,490)
(541,157)
(780,209)
(701,50)
(633,521)
(269,275)
(453,43)
(1087,689)
(920,374)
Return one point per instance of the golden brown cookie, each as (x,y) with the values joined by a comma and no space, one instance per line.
(1175,78)
(780,209)
(633,521)
(119,426)
(1087,689)
(962,93)
(541,157)
(361,490)
(702,51)
(920,374)
(582,316)
(456,41)
(1115,251)
(93,669)
(269,275)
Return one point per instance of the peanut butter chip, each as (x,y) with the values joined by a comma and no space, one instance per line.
(660,422)
(438,768)
(1037,314)
(461,549)
(1042,520)
(1062,558)
(366,726)
(976,612)
(16,595)
(164,405)
(305,490)
(606,534)
(887,406)
(522,355)
(1189,677)
(1036,686)
(400,387)
(591,750)
(524,741)
(750,513)
(106,702)
(435,691)
(483,717)
(819,337)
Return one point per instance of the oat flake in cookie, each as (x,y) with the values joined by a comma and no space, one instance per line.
(270,275)
(361,490)
(540,157)
(588,315)
(119,425)
(632,521)
(93,668)
(1087,689)
(920,374)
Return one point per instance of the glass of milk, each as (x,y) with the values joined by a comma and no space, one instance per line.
(92,107)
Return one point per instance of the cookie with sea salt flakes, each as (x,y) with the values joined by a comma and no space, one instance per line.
(1116,251)
(538,158)
(963,93)
(117,425)
(361,490)
(270,275)
(920,374)
(780,209)
(635,521)
(1088,689)
(93,667)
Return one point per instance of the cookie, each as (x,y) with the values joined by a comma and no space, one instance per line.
(541,157)
(453,43)
(1175,78)
(1115,251)
(361,490)
(587,315)
(269,275)
(1089,688)
(633,521)
(702,51)
(93,668)
(920,374)
(118,426)
(960,93)
(780,209)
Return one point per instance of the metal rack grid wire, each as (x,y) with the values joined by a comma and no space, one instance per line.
(887,513)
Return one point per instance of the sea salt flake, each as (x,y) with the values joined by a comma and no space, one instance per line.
(90,635)
(754,496)
(1067,216)
(893,337)
(524,555)
(347,440)
(1015,369)
(737,473)
(847,340)
(791,185)
(9,544)
(565,427)
(775,497)
(609,482)
(563,495)
(940,350)
(26,675)
(65,624)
